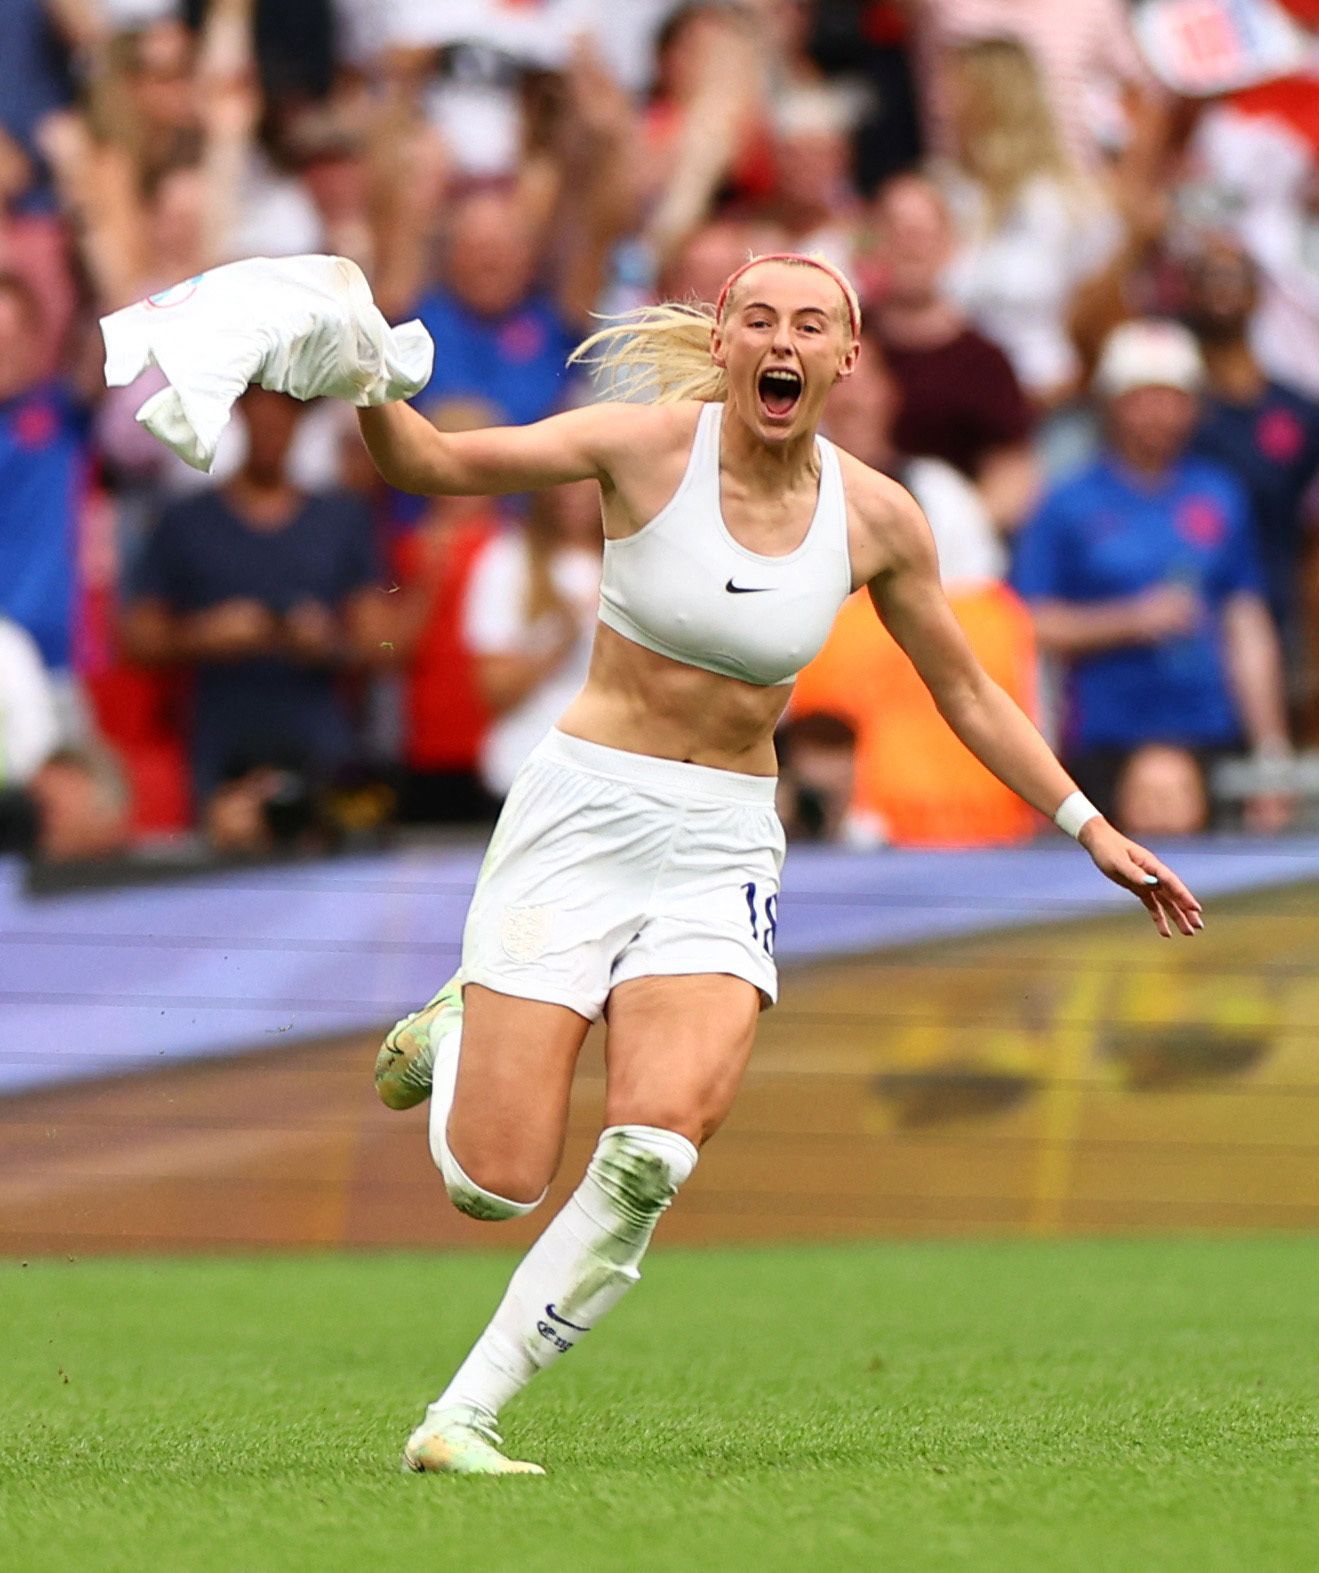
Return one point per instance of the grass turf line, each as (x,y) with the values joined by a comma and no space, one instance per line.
(1091,1405)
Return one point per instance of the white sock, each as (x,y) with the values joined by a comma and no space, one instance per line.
(467,1196)
(581,1266)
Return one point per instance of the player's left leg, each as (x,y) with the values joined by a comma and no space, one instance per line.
(676,1051)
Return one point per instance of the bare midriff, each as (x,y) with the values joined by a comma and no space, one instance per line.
(645,703)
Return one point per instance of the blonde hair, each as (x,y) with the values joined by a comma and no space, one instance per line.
(661,354)
(1008,132)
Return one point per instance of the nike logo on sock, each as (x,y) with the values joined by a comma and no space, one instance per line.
(747,589)
(563,1320)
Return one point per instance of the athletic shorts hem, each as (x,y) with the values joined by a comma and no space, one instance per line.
(533,989)
(678,969)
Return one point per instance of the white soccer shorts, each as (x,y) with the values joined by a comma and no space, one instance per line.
(607,866)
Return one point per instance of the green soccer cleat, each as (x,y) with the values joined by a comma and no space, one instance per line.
(462,1444)
(405,1066)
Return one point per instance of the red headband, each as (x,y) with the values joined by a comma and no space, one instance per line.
(794,256)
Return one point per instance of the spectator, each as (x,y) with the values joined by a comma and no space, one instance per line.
(1267,434)
(1143,576)
(443,713)
(814,200)
(1103,96)
(505,339)
(703,127)
(817,782)
(268,596)
(698,268)
(81,807)
(1161,792)
(29,724)
(506,329)
(43,470)
(960,398)
(530,621)
(863,416)
(73,806)
(1254,170)
(1030,227)
(911,775)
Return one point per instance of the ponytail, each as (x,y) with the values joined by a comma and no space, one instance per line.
(656,355)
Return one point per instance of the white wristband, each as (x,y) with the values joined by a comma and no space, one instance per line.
(1075,811)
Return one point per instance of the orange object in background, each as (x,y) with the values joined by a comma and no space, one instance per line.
(910,769)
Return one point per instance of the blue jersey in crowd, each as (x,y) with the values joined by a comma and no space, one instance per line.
(270,708)
(43,466)
(1272,445)
(1107,534)
(513,363)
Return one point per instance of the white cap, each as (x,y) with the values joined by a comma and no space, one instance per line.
(1151,353)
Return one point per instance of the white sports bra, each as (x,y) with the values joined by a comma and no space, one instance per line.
(683,587)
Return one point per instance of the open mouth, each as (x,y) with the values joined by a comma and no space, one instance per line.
(779,390)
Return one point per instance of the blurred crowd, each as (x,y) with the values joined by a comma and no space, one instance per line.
(1086,236)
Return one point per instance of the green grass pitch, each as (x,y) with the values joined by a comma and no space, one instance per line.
(1128,1405)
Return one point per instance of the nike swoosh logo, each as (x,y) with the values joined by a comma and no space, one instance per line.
(563,1320)
(747,589)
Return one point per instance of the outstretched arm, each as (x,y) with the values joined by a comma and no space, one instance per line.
(576,446)
(910,601)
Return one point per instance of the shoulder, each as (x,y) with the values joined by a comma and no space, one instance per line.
(975,350)
(1077,492)
(935,483)
(887,524)
(637,433)
(1297,403)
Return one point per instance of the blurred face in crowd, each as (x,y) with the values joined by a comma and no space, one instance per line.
(1161,792)
(339,185)
(684,46)
(917,238)
(862,408)
(1221,293)
(20,333)
(83,814)
(272,421)
(813,173)
(161,79)
(784,340)
(1150,427)
(818,777)
(491,261)
(702,264)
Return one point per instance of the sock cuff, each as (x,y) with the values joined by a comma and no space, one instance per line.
(474,1199)
(679,1155)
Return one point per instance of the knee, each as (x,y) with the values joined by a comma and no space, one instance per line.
(695,1119)
(488,1192)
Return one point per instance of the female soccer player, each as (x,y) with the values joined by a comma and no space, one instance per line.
(634,871)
